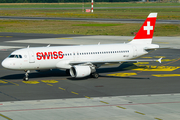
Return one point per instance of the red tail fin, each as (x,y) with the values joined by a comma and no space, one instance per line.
(145,34)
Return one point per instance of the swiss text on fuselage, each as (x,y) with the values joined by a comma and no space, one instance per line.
(49,55)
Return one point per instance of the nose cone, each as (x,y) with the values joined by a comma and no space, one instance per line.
(5,63)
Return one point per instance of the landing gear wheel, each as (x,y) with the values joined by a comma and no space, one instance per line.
(25,78)
(95,75)
(26,75)
(67,71)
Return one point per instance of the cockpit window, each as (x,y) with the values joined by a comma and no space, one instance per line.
(15,56)
(11,56)
(20,56)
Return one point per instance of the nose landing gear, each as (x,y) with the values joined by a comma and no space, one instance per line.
(26,75)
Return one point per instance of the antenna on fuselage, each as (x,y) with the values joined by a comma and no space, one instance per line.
(99,43)
(48,45)
(28,46)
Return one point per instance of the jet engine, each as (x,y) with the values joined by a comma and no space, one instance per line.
(78,71)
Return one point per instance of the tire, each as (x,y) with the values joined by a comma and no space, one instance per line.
(95,75)
(25,78)
(68,72)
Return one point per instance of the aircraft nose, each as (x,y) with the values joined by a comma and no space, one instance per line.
(5,63)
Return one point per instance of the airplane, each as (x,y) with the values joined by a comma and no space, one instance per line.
(83,60)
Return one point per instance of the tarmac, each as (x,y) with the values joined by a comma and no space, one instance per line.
(136,91)
(143,107)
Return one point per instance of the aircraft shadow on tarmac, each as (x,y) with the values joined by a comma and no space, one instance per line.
(35,74)
(125,77)
(61,73)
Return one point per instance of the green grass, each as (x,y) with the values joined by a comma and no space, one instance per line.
(98,25)
(130,13)
(96,4)
(89,28)
(82,28)
(170,13)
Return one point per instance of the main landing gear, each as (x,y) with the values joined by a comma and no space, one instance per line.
(68,72)
(26,75)
(95,75)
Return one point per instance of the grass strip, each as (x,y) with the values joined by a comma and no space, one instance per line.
(134,10)
(96,4)
(129,13)
(83,28)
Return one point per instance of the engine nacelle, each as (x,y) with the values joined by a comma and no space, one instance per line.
(80,71)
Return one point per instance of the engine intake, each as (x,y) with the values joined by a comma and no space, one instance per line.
(78,71)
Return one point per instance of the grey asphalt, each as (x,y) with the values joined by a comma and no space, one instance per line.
(5,37)
(12,88)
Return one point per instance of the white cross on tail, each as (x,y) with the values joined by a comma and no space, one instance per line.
(148,28)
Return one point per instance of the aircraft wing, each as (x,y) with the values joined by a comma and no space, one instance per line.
(113,61)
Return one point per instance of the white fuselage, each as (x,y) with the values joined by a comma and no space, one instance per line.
(59,57)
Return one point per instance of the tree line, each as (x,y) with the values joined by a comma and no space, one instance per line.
(59,1)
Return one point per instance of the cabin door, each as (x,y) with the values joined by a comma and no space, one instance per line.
(31,57)
(75,56)
(134,51)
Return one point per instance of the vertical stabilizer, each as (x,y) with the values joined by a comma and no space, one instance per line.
(145,34)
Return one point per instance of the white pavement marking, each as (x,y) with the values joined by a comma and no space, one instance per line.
(141,107)
(77,40)
(9,47)
(170,42)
